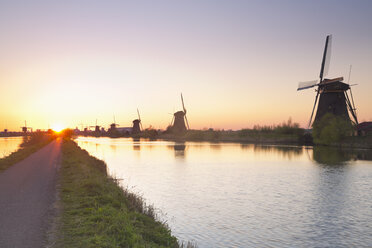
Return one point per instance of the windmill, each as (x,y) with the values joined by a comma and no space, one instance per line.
(113,126)
(96,127)
(332,93)
(25,128)
(178,121)
(137,124)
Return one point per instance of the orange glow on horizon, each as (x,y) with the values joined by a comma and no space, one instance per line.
(57,127)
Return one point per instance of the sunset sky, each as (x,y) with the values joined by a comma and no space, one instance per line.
(237,63)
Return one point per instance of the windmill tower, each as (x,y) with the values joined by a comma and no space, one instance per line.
(96,127)
(332,93)
(137,124)
(113,126)
(25,128)
(178,121)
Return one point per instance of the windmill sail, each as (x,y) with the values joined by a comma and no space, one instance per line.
(306,85)
(139,117)
(326,57)
(187,122)
(183,105)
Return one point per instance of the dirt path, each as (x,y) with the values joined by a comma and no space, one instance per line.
(27,194)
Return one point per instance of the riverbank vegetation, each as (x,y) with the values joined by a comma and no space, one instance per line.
(336,131)
(285,133)
(31,143)
(97,212)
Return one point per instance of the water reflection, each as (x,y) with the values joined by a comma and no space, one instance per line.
(97,145)
(364,155)
(136,144)
(335,156)
(179,149)
(244,195)
(288,152)
(9,145)
(113,148)
(215,146)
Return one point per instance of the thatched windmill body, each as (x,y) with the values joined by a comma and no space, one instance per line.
(332,93)
(179,118)
(137,124)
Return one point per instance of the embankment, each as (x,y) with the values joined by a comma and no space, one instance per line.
(97,212)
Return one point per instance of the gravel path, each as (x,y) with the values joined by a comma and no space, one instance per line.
(27,194)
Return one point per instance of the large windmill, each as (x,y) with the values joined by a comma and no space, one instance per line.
(178,121)
(332,93)
(137,124)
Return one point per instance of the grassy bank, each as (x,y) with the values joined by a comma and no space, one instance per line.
(30,145)
(96,212)
(241,136)
(286,133)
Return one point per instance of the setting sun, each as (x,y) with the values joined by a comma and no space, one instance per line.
(57,128)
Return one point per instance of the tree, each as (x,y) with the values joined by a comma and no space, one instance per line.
(331,129)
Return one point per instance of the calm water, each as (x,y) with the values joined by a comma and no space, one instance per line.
(234,195)
(9,145)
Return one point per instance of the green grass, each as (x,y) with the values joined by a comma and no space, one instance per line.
(97,212)
(30,145)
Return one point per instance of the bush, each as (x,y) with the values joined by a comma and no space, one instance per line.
(286,128)
(331,129)
(149,133)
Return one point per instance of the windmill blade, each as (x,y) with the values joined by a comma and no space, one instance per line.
(354,108)
(351,108)
(326,57)
(141,125)
(187,122)
(307,85)
(139,117)
(348,79)
(183,105)
(172,121)
(312,113)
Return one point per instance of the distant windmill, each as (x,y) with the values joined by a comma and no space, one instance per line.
(178,121)
(96,127)
(332,93)
(113,126)
(25,128)
(137,124)
(81,126)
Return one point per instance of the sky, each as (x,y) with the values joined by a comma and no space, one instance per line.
(237,63)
